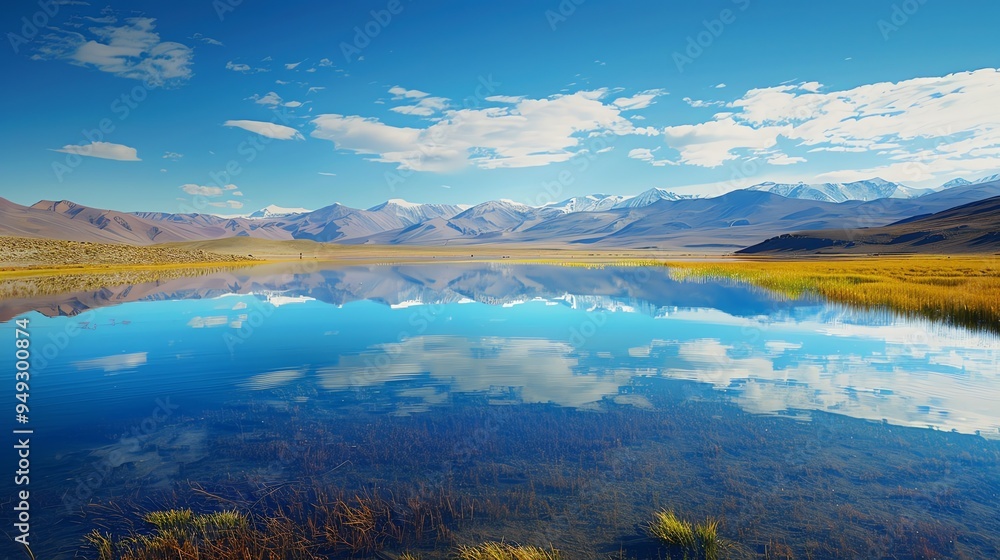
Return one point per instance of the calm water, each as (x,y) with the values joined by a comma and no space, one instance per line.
(536,404)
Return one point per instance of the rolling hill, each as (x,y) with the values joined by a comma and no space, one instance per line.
(969,228)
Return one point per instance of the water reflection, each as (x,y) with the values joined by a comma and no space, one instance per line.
(601,387)
(454,329)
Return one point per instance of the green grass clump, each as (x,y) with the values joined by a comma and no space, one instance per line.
(504,551)
(707,534)
(702,539)
(672,530)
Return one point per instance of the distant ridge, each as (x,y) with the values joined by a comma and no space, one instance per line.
(655,219)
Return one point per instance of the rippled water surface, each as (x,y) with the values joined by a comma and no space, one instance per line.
(546,405)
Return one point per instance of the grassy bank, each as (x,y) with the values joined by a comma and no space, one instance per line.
(963,291)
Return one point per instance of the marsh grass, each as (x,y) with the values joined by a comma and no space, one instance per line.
(961,291)
(701,540)
(672,530)
(506,551)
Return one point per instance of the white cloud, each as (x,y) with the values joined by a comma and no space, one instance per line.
(426,107)
(201,190)
(208,40)
(926,127)
(645,154)
(103,150)
(325,62)
(720,86)
(271,98)
(293,65)
(315,89)
(784,159)
(243,68)
(403,93)
(132,50)
(698,103)
(640,100)
(173,156)
(327,173)
(532,132)
(271,130)
(712,143)
(505,98)
(292,104)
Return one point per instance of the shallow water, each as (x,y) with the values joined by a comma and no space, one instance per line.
(537,404)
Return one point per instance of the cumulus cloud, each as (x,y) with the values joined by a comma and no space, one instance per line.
(530,132)
(172,156)
(271,130)
(103,150)
(712,143)
(131,50)
(924,127)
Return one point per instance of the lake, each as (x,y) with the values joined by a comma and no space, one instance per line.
(448,404)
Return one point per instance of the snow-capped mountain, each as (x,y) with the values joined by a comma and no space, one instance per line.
(272,211)
(589,203)
(413,213)
(649,197)
(871,189)
(499,215)
(959,182)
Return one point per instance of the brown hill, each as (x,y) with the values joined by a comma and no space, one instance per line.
(969,228)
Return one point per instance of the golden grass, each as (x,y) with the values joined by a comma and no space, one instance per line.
(701,540)
(963,291)
(672,530)
(505,551)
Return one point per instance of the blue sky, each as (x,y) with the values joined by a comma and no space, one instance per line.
(226,106)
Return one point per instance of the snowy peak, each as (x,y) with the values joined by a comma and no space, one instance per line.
(649,197)
(872,189)
(589,203)
(410,213)
(959,182)
(272,211)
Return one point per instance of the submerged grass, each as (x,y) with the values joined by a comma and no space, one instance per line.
(505,551)
(962,291)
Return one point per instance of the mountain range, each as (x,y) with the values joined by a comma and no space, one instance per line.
(654,219)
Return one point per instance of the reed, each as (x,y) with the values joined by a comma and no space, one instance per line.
(672,530)
(506,551)
(962,291)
